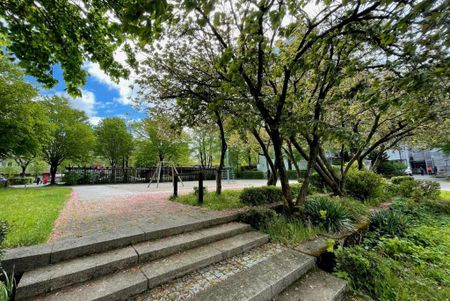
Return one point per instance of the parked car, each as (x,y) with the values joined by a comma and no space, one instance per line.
(3,181)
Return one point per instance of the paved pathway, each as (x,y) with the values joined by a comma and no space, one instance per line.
(108,208)
(445,185)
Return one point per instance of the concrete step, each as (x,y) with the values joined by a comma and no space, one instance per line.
(317,285)
(66,273)
(263,281)
(129,282)
(29,258)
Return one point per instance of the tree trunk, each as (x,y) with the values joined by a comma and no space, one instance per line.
(53,169)
(290,153)
(24,169)
(279,164)
(313,152)
(223,151)
(272,175)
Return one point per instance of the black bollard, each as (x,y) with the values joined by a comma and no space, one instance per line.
(200,188)
(175,186)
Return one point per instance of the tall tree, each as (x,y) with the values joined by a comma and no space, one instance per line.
(23,124)
(71,137)
(114,142)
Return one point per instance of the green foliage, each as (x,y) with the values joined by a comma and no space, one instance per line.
(363,185)
(370,273)
(391,168)
(42,34)
(20,180)
(71,137)
(196,190)
(31,213)
(72,178)
(23,124)
(258,217)
(388,222)
(418,190)
(228,199)
(289,231)
(328,214)
(399,179)
(114,142)
(406,260)
(261,195)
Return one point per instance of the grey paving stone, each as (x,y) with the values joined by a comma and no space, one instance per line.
(56,276)
(152,250)
(317,285)
(117,286)
(241,243)
(65,249)
(26,258)
(314,247)
(262,281)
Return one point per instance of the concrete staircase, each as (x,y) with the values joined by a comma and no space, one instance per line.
(287,276)
(116,267)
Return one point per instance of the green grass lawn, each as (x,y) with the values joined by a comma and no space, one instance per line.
(445,195)
(227,200)
(30,213)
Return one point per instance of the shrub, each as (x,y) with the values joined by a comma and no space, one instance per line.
(370,273)
(259,218)
(388,223)
(426,190)
(400,179)
(21,180)
(419,190)
(250,174)
(328,214)
(261,195)
(317,183)
(363,185)
(391,168)
(72,178)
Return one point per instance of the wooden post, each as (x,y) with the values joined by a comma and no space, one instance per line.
(200,187)
(175,185)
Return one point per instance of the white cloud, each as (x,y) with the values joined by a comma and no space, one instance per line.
(85,103)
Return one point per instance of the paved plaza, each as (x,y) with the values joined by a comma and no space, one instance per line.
(109,208)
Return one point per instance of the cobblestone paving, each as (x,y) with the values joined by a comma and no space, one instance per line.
(185,287)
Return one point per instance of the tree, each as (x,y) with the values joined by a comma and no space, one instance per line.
(71,137)
(42,33)
(114,142)
(270,50)
(23,123)
(161,140)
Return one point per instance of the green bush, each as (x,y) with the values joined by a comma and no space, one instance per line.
(370,273)
(419,190)
(364,185)
(20,180)
(317,183)
(426,190)
(250,174)
(400,179)
(261,195)
(388,223)
(259,218)
(391,168)
(330,215)
(72,178)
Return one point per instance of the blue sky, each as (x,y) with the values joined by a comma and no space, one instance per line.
(101,96)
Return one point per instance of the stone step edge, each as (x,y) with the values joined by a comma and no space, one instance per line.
(28,286)
(130,282)
(24,259)
(263,281)
(315,285)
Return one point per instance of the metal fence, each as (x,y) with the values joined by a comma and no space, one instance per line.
(88,175)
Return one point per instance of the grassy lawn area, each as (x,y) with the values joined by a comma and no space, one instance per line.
(445,195)
(227,200)
(30,213)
